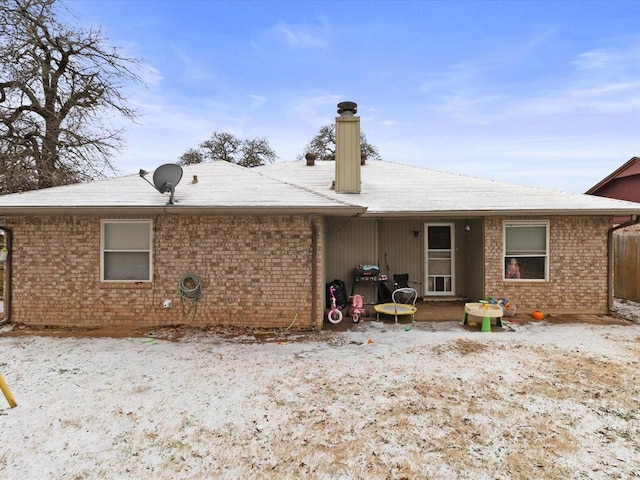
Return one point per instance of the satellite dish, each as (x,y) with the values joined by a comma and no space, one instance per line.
(165,178)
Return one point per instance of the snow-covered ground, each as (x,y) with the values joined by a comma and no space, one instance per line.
(627,310)
(381,401)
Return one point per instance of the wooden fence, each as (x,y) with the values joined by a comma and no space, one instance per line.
(626,274)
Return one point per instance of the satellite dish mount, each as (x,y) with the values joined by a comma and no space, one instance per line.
(165,179)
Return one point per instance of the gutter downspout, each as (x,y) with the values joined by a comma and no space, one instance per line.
(8,235)
(632,221)
(314,270)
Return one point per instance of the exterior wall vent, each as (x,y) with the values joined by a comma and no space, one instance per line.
(348,157)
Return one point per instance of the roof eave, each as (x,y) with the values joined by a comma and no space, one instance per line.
(500,213)
(350,210)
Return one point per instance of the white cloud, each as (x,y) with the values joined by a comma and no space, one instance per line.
(150,75)
(502,84)
(257,100)
(190,69)
(316,109)
(599,81)
(301,36)
(611,60)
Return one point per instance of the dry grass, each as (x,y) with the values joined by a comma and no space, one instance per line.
(462,408)
(413,422)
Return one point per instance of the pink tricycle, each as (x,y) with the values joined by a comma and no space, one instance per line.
(335,313)
(357,308)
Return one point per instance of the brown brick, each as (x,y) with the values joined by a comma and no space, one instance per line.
(577,267)
(247,265)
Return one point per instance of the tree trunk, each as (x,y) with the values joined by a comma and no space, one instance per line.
(48,160)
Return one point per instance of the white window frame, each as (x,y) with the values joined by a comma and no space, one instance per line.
(525,223)
(103,224)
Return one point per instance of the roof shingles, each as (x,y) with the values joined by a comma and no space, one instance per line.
(388,189)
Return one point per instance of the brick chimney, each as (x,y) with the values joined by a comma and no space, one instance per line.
(347,148)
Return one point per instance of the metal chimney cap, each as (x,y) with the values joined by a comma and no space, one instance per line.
(347,108)
(311,158)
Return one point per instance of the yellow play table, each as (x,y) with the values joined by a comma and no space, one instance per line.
(486,311)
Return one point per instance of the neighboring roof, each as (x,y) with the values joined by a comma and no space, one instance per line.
(388,189)
(392,189)
(629,169)
(221,187)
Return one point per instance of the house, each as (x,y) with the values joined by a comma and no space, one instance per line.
(623,183)
(256,247)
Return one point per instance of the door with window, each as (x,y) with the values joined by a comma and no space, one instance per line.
(439,259)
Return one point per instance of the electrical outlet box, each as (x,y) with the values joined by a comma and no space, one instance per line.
(167,303)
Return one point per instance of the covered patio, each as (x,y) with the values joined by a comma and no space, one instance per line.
(432,311)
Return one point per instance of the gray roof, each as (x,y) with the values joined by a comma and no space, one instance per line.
(392,189)
(221,187)
(388,189)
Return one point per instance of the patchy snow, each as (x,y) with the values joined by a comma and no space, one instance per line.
(627,310)
(428,400)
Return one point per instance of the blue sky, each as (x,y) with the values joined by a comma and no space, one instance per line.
(536,93)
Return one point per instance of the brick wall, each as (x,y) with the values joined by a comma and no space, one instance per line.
(633,229)
(255,271)
(577,267)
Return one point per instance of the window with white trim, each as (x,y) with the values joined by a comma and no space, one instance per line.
(125,250)
(526,250)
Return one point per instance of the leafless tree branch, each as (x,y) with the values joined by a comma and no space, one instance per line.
(57,84)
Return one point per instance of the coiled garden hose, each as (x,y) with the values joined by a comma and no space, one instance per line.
(190,289)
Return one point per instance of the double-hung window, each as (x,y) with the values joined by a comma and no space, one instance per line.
(126,250)
(526,250)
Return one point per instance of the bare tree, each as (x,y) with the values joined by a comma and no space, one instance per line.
(323,145)
(57,85)
(256,152)
(221,146)
(229,148)
(191,157)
